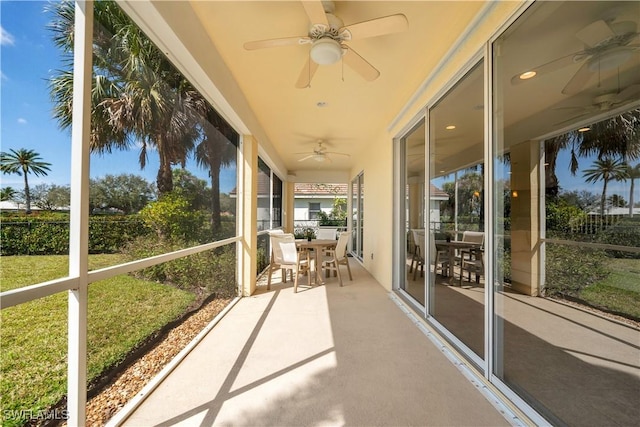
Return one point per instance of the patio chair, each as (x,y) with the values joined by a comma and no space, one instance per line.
(287,257)
(439,258)
(414,246)
(338,257)
(474,264)
(472,237)
(418,239)
(327,233)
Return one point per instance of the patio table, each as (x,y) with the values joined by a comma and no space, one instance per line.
(452,246)
(317,245)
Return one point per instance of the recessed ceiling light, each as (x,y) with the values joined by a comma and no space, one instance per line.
(450,127)
(584,129)
(527,75)
(321,104)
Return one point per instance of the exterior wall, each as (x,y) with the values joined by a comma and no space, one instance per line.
(301,207)
(377,160)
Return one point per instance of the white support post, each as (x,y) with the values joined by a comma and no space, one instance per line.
(79,213)
(248,198)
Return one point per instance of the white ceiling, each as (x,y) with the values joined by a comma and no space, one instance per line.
(357,111)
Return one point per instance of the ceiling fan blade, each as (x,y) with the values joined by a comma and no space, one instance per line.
(307,157)
(333,153)
(308,70)
(579,79)
(360,65)
(378,27)
(595,33)
(315,12)
(285,41)
(628,93)
(554,65)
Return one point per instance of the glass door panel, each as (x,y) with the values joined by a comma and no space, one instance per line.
(413,246)
(456,211)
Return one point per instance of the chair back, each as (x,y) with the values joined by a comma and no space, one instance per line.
(418,239)
(473,237)
(432,247)
(276,231)
(327,233)
(341,246)
(284,248)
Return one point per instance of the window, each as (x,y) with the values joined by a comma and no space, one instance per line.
(314,210)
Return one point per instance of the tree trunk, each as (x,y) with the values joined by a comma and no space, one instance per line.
(164,180)
(551,150)
(631,201)
(603,201)
(27,195)
(215,160)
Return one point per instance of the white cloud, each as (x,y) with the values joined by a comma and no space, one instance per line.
(6,39)
(22,121)
(3,76)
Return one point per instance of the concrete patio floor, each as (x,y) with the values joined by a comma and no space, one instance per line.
(327,355)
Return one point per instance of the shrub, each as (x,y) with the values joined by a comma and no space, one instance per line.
(561,216)
(172,218)
(569,269)
(210,271)
(625,232)
(49,235)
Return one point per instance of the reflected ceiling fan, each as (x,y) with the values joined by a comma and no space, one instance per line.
(604,102)
(607,46)
(328,37)
(320,154)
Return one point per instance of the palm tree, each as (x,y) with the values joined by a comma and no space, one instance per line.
(136,92)
(606,169)
(634,173)
(7,193)
(215,151)
(617,136)
(23,162)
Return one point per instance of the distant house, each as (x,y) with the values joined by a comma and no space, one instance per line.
(615,211)
(437,196)
(311,199)
(10,205)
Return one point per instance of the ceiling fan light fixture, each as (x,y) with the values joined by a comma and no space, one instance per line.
(319,157)
(527,75)
(608,60)
(326,51)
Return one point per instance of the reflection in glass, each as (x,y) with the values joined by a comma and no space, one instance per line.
(565,150)
(456,147)
(414,251)
(357,215)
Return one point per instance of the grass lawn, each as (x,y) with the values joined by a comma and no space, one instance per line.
(33,352)
(620,291)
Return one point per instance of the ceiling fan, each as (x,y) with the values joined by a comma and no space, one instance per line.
(328,36)
(607,46)
(320,154)
(604,102)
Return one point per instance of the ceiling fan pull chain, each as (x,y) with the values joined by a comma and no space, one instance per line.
(309,68)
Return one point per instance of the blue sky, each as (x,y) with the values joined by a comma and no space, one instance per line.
(28,58)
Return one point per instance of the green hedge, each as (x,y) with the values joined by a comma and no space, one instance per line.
(42,236)
(626,232)
(211,271)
